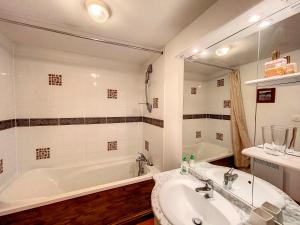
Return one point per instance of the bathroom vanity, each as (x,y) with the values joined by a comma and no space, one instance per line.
(175,200)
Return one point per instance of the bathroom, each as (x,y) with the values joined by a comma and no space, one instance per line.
(122,117)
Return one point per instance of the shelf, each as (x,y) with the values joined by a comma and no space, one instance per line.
(287,161)
(276,80)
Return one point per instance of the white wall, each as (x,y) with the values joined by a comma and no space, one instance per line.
(7,111)
(279,113)
(208,100)
(83,93)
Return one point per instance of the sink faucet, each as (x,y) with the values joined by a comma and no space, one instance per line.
(229,178)
(208,189)
(142,160)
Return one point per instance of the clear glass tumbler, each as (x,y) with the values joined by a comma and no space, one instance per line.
(279,137)
(267,137)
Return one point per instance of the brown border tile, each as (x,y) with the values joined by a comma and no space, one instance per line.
(71,121)
(208,116)
(22,122)
(131,119)
(95,120)
(43,122)
(116,119)
(7,124)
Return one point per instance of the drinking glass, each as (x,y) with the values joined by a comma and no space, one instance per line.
(279,137)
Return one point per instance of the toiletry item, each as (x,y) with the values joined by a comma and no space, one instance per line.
(259,216)
(184,166)
(273,210)
(290,67)
(277,66)
(192,160)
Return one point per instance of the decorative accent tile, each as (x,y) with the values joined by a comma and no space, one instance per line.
(146,145)
(55,79)
(42,153)
(193,91)
(220,83)
(1,166)
(112,93)
(219,136)
(155,103)
(112,145)
(227,103)
(198,134)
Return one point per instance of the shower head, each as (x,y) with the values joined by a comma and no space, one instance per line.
(149,70)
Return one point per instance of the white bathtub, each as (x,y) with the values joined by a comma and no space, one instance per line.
(39,187)
(207,152)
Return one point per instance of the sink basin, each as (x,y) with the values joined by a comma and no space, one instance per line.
(180,204)
(242,187)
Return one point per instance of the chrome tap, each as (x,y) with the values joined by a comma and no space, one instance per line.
(208,189)
(142,160)
(229,178)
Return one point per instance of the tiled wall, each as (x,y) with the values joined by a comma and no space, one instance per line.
(7,113)
(206,112)
(154,134)
(76,110)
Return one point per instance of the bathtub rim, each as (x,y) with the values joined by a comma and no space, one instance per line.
(226,154)
(9,208)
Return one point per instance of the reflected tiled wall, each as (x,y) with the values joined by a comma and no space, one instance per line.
(7,113)
(207,110)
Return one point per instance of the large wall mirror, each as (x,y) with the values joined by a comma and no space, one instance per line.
(242,93)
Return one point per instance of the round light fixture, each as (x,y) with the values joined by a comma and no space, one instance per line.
(195,50)
(265,24)
(203,53)
(98,10)
(222,51)
(254,18)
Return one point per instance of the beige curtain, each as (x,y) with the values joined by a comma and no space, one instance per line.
(239,131)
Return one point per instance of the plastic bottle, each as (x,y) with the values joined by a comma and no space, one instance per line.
(192,160)
(184,166)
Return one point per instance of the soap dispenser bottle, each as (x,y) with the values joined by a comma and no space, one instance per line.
(184,166)
(192,161)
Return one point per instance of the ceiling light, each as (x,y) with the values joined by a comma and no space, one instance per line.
(195,50)
(222,51)
(98,10)
(204,53)
(265,24)
(254,18)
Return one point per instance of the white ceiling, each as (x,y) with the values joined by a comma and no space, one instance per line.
(282,35)
(141,22)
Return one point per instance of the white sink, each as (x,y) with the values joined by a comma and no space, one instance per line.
(242,187)
(180,203)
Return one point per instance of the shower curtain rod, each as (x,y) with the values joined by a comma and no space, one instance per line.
(209,64)
(81,36)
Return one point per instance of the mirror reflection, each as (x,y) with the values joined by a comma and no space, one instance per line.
(241,112)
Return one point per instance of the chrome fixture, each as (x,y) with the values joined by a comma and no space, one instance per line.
(197,221)
(208,189)
(142,160)
(147,79)
(229,178)
(140,48)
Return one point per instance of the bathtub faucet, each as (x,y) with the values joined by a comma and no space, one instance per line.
(142,160)
(229,178)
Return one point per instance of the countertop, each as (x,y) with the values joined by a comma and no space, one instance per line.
(291,213)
